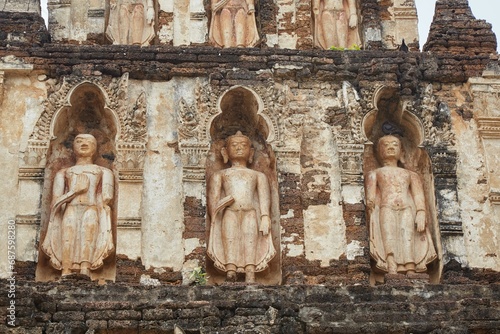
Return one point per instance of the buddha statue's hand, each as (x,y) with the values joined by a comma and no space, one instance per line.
(370,205)
(353,21)
(82,183)
(420,221)
(265,224)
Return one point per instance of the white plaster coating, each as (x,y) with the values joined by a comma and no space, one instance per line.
(181,22)
(29,197)
(352,194)
(166,5)
(354,249)
(288,167)
(288,41)
(30,119)
(491,148)
(162,223)
(72,21)
(403,24)
(147,280)
(456,244)
(197,190)
(373,35)
(324,234)
(165,34)
(472,191)
(272,40)
(29,6)
(292,238)
(128,242)
(159,270)
(448,206)
(294,250)
(196,6)
(285,39)
(287,67)
(198,30)
(27,237)
(129,199)
(190,245)
(15,112)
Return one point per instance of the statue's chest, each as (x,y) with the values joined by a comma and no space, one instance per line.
(93,173)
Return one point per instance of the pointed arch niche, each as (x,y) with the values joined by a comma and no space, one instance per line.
(98,106)
(85,111)
(242,109)
(390,110)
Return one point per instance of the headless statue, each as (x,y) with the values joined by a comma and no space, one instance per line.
(233,23)
(131,22)
(336,23)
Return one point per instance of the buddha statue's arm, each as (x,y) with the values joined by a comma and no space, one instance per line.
(250,6)
(417,192)
(315,6)
(264,203)
(58,187)
(353,17)
(214,193)
(371,190)
(108,187)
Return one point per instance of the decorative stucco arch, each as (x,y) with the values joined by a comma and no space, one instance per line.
(386,100)
(87,86)
(252,107)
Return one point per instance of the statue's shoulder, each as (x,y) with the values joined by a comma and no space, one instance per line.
(105,170)
(413,174)
(62,171)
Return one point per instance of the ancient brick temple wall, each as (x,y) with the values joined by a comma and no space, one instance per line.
(74,307)
(22,29)
(463,34)
(305,72)
(319,295)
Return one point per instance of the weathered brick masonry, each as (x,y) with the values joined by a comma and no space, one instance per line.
(308,69)
(74,307)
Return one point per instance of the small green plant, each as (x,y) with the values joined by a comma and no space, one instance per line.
(198,276)
(354,47)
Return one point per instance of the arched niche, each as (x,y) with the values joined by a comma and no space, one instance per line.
(390,107)
(242,109)
(85,111)
(391,115)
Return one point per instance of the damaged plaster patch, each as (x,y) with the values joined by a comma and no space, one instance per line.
(324,234)
(147,280)
(289,214)
(190,245)
(354,249)
(294,250)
